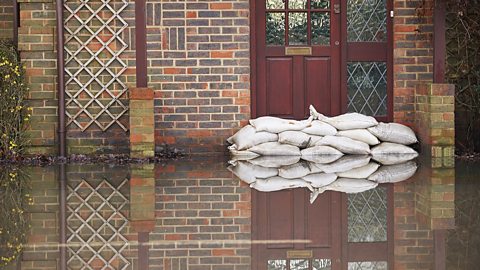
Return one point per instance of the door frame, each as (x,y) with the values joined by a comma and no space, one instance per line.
(343,60)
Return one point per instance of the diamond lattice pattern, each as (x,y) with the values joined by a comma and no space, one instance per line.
(93,45)
(367,216)
(95,224)
(367,88)
(367,21)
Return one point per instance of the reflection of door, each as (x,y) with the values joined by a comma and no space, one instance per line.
(334,54)
(338,231)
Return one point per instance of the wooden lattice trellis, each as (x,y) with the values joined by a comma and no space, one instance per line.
(93,67)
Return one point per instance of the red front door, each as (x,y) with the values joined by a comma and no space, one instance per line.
(297,57)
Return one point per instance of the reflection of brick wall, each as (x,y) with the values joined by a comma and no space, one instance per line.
(199,68)
(6,19)
(413,54)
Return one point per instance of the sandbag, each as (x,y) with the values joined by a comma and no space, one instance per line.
(394,132)
(248,137)
(361,135)
(243,154)
(318,180)
(349,185)
(360,172)
(275,161)
(297,170)
(320,128)
(345,121)
(345,163)
(249,173)
(320,150)
(277,125)
(392,153)
(279,183)
(321,159)
(392,159)
(345,145)
(295,138)
(275,149)
(394,173)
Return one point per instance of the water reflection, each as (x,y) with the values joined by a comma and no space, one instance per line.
(194,214)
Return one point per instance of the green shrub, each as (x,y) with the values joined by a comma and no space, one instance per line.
(14,115)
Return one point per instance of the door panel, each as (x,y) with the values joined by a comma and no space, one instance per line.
(280,218)
(318,83)
(280,87)
(319,219)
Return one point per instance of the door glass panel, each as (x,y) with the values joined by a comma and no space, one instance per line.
(297,4)
(299,265)
(277,265)
(320,4)
(320,28)
(322,264)
(367,20)
(275,28)
(275,4)
(367,88)
(367,217)
(297,28)
(367,265)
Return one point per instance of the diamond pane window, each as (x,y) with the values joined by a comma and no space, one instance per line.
(367,21)
(381,265)
(275,28)
(367,88)
(367,217)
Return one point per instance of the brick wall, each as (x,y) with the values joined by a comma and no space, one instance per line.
(6,19)
(198,54)
(413,54)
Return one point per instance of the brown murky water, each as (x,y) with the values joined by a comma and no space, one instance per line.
(196,214)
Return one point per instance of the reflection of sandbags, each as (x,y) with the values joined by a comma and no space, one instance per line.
(277,125)
(279,183)
(345,145)
(275,161)
(249,172)
(361,135)
(349,185)
(297,170)
(295,138)
(275,149)
(318,180)
(345,163)
(392,153)
(360,172)
(349,121)
(248,137)
(320,128)
(320,150)
(394,173)
(314,194)
(394,132)
(243,154)
(321,159)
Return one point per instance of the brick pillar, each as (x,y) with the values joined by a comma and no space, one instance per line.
(142,139)
(435,118)
(142,196)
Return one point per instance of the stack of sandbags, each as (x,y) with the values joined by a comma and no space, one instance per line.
(349,174)
(320,137)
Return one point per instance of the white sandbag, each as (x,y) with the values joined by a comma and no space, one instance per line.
(243,154)
(297,170)
(275,149)
(279,183)
(349,185)
(277,125)
(360,172)
(320,128)
(318,180)
(392,159)
(345,145)
(392,153)
(361,135)
(295,138)
(321,159)
(275,161)
(345,163)
(248,137)
(249,173)
(320,150)
(345,121)
(394,173)
(394,132)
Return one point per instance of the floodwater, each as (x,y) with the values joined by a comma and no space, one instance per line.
(198,215)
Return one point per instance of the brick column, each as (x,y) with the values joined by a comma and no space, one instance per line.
(435,118)
(142,140)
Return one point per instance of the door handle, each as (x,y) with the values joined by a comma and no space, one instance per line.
(336,8)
